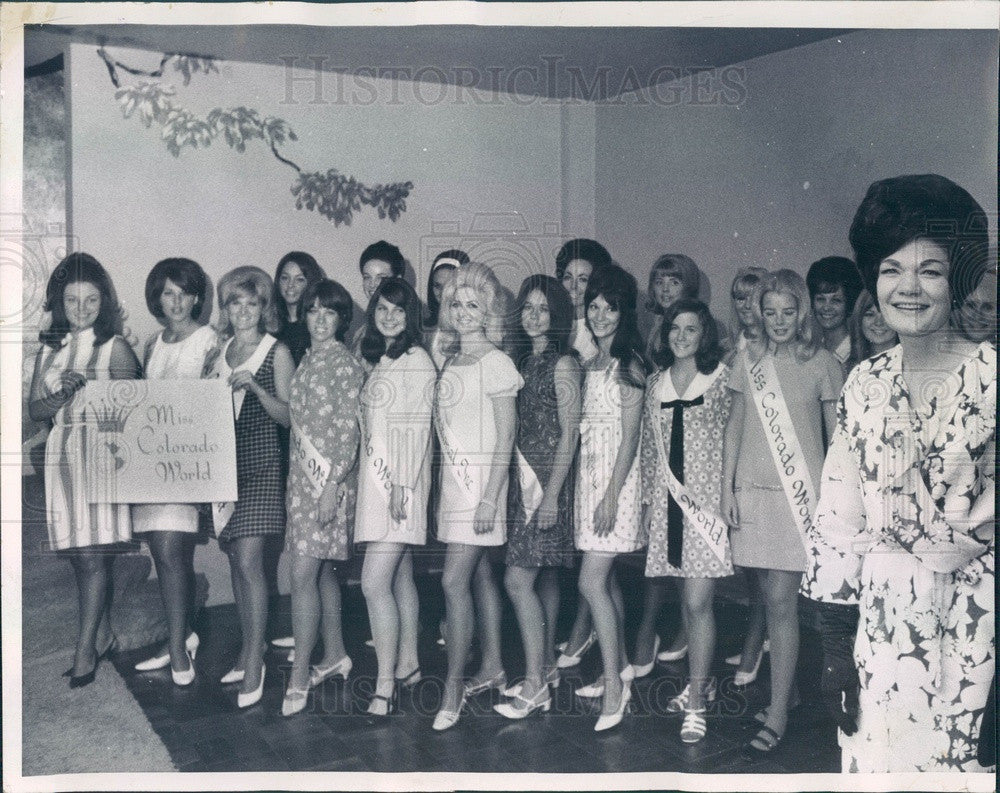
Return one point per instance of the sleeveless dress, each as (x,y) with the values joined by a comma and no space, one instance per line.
(324,407)
(260,477)
(538,433)
(467,429)
(396,406)
(72,521)
(698,421)
(768,537)
(181,359)
(600,437)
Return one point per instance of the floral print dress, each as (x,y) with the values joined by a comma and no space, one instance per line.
(324,407)
(924,582)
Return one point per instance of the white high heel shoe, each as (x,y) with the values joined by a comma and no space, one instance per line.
(551,680)
(645,669)
(734,660)
(446,719)
(318,674)
(163,660)
(521,707)
(567,660)
(614,719)
(252,697)
(185,677)
(596,689)
(746,678)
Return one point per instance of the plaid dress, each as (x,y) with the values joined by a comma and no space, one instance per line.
(260,475)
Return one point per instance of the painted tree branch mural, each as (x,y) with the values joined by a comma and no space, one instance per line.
(334,195)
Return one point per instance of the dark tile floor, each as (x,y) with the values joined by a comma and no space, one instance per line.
(204,731)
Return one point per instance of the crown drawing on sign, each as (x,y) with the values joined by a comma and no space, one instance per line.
(110,418)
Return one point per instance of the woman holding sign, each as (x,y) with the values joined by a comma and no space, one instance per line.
(902,549)
(541,490)
(81,343)
(394,479)
(786,385)
(259,369)
(322,486)
(475,424)
(175,295)
(608,499)
(687,404)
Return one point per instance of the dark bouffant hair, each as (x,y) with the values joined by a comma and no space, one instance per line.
(386,252)
(582,248)
(560,316)
(187,274)
(80,268)
(826,274)
(899,210)
(709,351)
(329,294)
(619,289)
(310,269)
(399,293)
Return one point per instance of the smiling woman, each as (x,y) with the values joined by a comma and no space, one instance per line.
(902,552)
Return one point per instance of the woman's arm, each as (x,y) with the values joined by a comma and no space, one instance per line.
(829,419)
(42,403)
(730,454)
(504,417)
(275,406)
(569,400)
(124,363)
(410,429)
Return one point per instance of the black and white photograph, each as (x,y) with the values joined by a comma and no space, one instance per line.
(471,395)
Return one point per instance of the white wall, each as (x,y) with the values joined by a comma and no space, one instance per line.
(775,180)
(503,179)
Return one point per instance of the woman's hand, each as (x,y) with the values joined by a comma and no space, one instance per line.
(730,511)
(646,519)
(243,379)
(69,383)
(397,503)
(485,517)
(329,500)
(547,513)
(604,515)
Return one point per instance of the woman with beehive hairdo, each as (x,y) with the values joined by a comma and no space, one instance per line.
(901,554)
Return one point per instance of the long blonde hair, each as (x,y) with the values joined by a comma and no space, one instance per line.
(786,282)
(481,280)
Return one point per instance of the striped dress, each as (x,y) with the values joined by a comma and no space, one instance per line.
(72,522)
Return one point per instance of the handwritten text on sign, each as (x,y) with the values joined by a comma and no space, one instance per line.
(160,441)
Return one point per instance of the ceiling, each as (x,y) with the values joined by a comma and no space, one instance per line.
(564,62)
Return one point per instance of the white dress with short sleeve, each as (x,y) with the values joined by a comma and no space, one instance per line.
(466,427)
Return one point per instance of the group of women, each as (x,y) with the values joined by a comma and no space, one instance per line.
(557,431)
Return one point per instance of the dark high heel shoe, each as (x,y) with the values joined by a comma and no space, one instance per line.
(79,681)
(391,705)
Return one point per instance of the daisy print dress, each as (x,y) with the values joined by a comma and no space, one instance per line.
(890,536)
(324,407)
